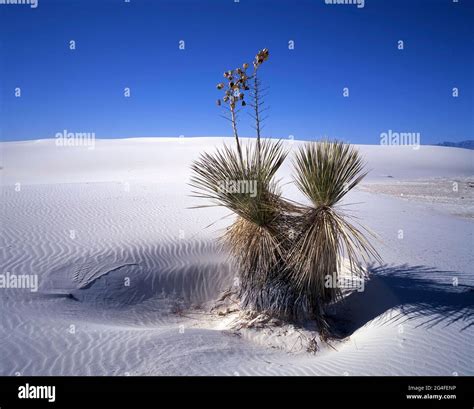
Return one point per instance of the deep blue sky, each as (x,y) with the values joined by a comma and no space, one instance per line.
(173,91)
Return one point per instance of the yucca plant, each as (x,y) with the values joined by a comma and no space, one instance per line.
(254,238)
(283,252)
(325,172)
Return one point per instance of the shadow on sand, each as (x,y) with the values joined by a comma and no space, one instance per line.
(413,293)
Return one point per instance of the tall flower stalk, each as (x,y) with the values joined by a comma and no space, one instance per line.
(234,92)
(257,100)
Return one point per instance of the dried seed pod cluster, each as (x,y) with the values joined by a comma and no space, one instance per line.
(237,82)
(234,87)
(261,57)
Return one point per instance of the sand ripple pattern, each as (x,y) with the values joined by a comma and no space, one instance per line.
(120,265)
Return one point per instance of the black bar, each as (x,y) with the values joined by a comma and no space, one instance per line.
(241,392)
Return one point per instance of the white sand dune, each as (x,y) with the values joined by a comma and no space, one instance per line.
(126,267)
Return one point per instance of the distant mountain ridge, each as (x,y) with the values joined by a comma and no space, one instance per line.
(462,144)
